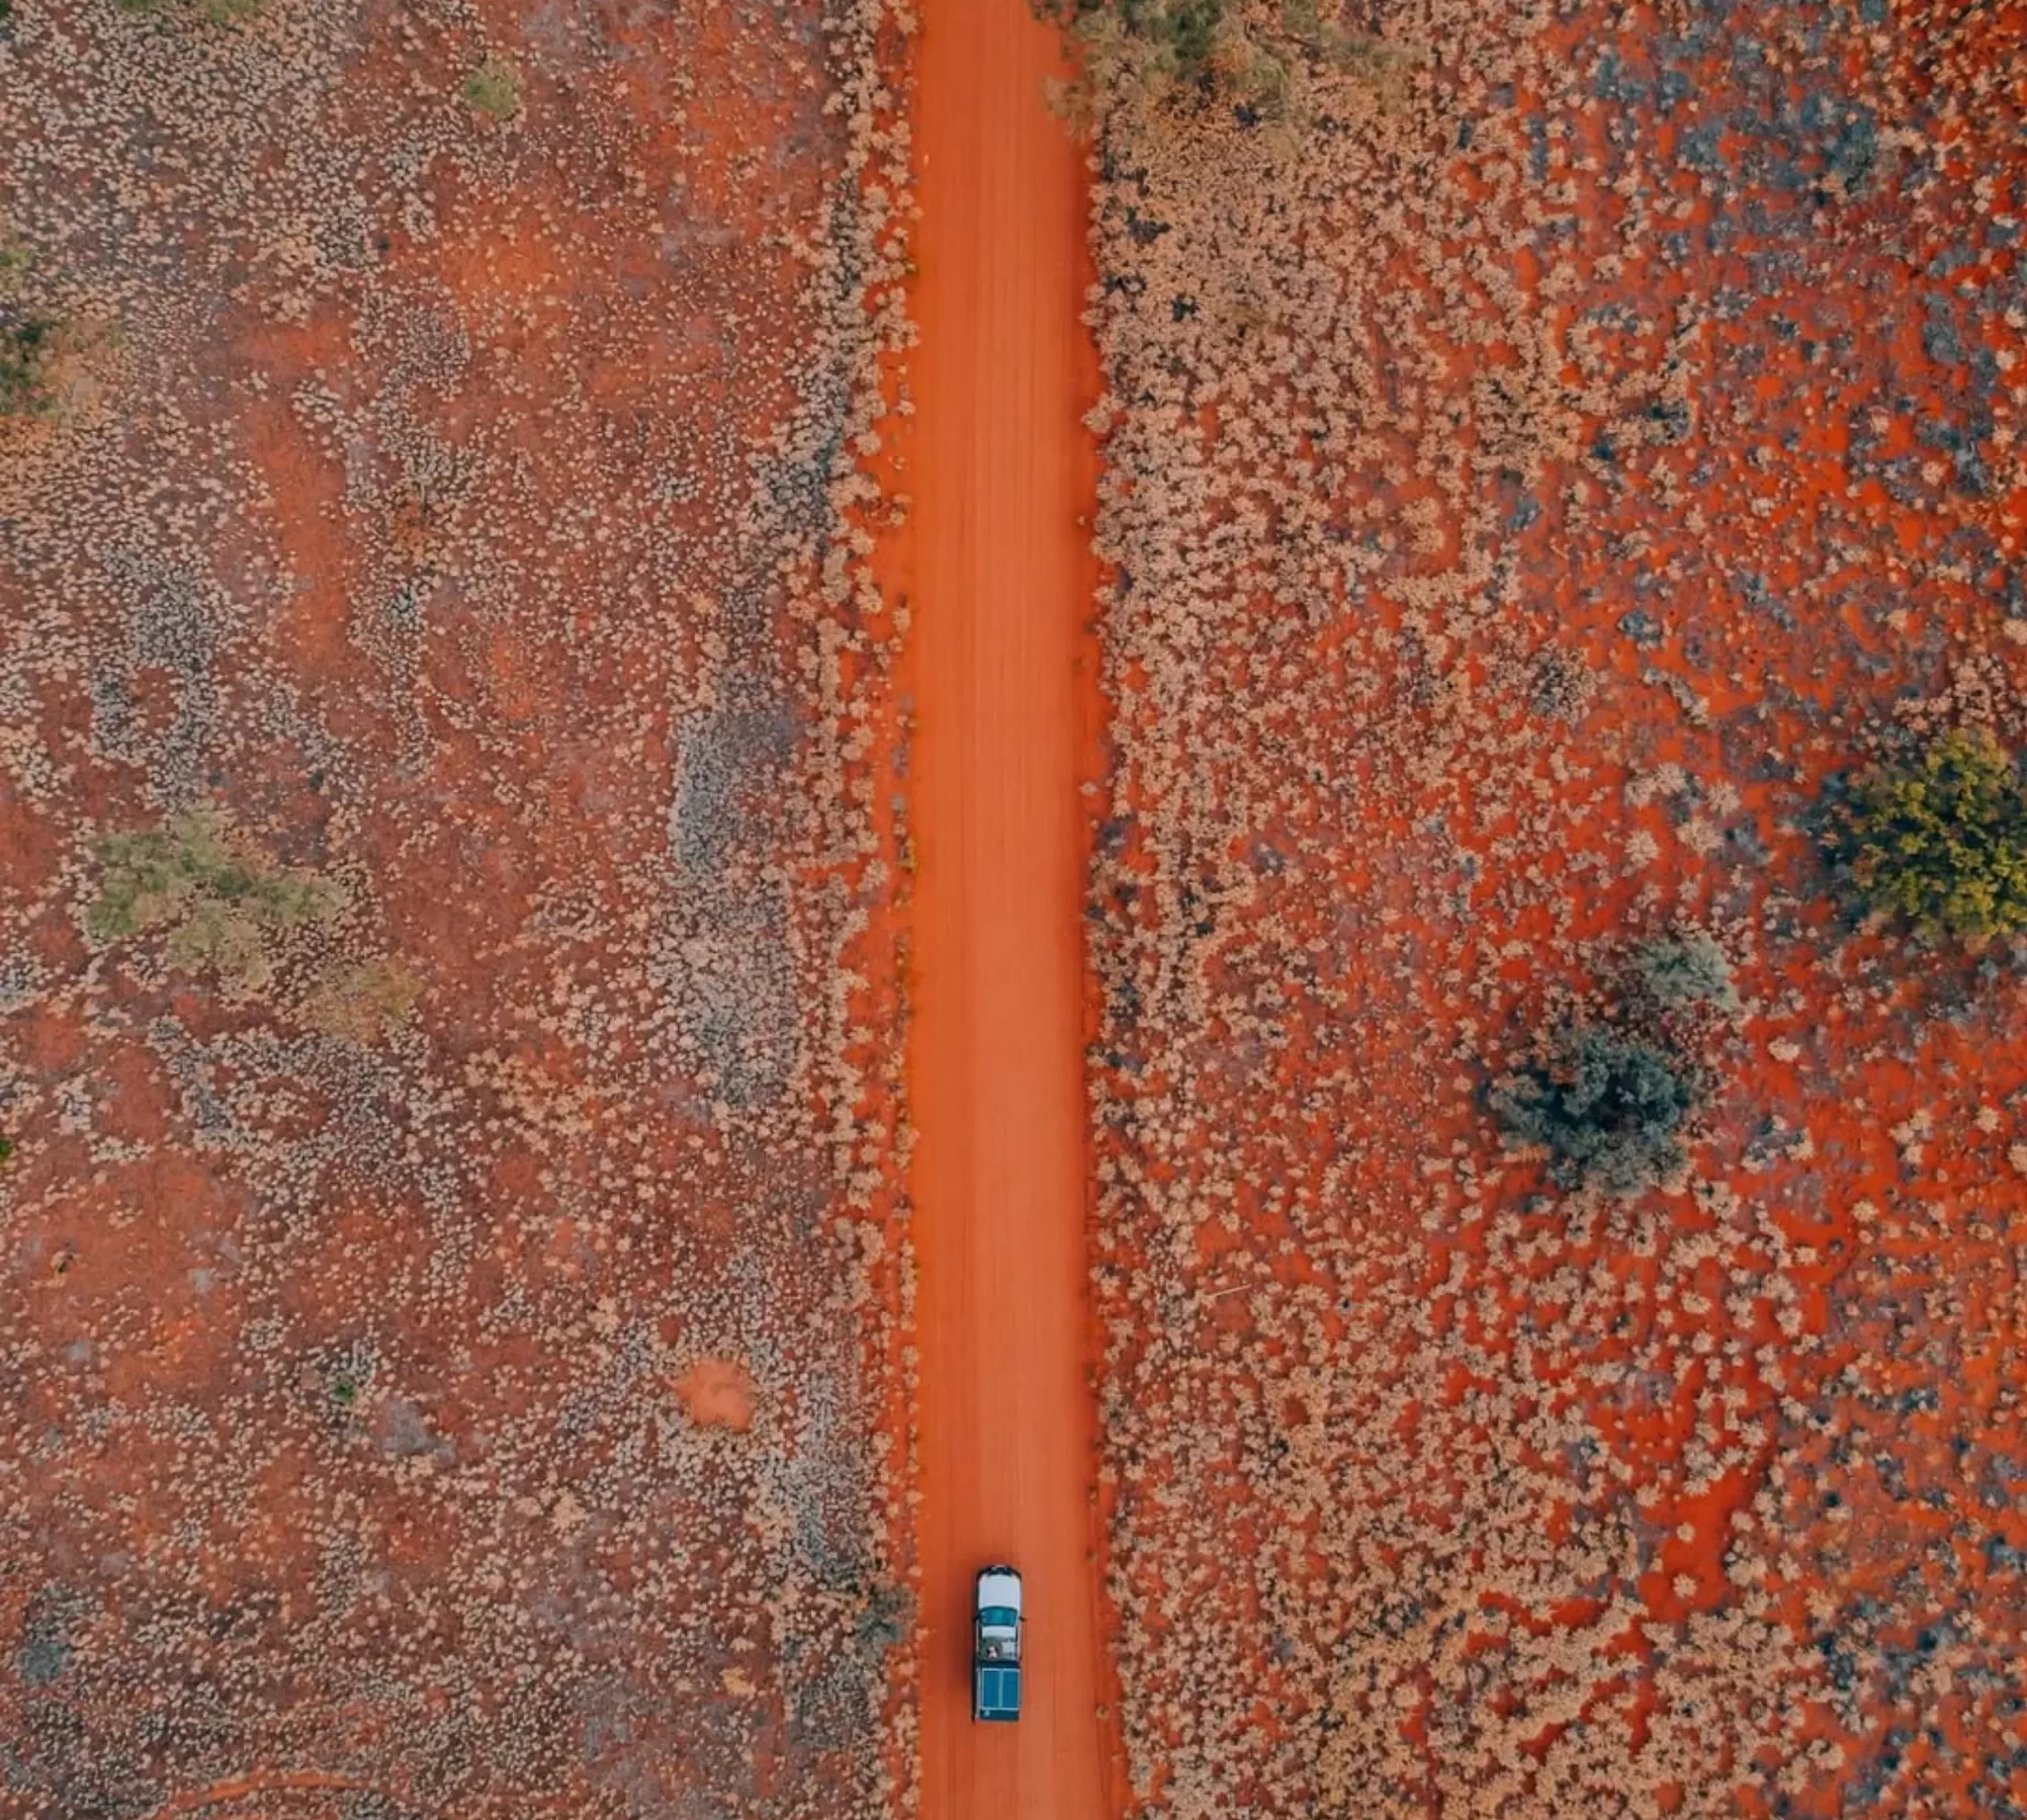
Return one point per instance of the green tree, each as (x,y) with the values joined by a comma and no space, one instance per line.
(1176,39)
(1940,838)
(1609,1108)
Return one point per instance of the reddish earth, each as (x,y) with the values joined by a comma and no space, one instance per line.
(460,766)
(718,1392)
(450,1339)
(999,580)
(1538,467)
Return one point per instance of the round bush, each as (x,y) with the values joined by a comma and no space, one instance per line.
(1941,838)
(1609,1108)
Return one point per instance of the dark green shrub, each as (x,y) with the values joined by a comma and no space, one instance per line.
(1256,55)
(28,339)
(1609,1108)
(27,344)
(1940,838)
(1177,38)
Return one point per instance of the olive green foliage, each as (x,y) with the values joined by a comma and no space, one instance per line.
(363,1002)
(1940,838)
(1175,39)
(1609,1107)
(211,12)
(220,900)
(1685,968)
(1249,53)
(494,90)
(28,341)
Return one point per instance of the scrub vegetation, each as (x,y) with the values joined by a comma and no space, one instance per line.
(494,88)
(1261,59)
(1608,1107)
(219,897)
(1553,1256)
(1939,838)
(452,1343)
(30,338)
(208,11)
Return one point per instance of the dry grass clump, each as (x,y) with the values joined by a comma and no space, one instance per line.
(1684,969)
(365,1001)
(494,90)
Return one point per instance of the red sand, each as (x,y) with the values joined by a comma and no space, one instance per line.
(1002,683)
(717,1392)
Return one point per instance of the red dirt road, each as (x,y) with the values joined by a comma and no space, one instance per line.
(1002,582)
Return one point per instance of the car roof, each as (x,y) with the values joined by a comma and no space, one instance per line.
(1000,1586)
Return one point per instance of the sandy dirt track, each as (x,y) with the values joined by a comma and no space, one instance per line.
(1002,583)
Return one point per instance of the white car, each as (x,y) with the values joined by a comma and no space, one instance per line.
(996,1626)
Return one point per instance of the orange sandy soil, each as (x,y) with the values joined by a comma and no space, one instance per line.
(999,578)
(448,1335)
(1531,479)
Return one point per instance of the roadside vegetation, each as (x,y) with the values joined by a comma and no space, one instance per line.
(444,902)
(1478,597)
(1261,57)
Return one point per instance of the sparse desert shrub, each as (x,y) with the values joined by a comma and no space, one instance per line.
(1249,53)
(211,12)
(28,342)
(1684,969)
(494,90)
(364,1002)
(1610,1107)
(882,1621)
(1940,838)
(29,339)
(219,897)
(1173,41)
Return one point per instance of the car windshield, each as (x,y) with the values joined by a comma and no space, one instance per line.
(998,1618)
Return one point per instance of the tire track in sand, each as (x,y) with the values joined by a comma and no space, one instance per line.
(1005,712)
